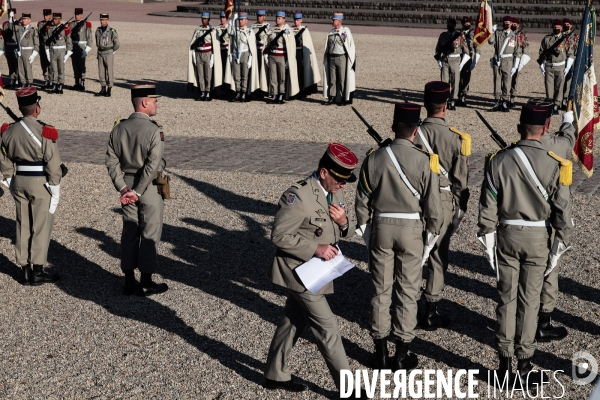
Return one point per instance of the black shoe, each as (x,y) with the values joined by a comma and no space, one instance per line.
(496,107)
(108,92)
(60,89)
(131,287)
(462,101)
(329,101)
(243,99)
(555,110)
(273,100)
(432,320)
(102,92)
(452,105)
(235,98)
(380,358)
(280,99)
(287,385)
(511,103)
(403,360)
(39,276)
(202,96)
(207,97)
(27,275)
(564,105)
(505,107)
(54,89)
(546,331)
(147,287)
(82,85)
(529,379)
(504,374)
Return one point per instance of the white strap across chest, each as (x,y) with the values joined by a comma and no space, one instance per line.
(30,133)
(429,149)
(529,169)
(402,175)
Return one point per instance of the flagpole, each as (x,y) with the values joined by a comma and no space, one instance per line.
(570,101)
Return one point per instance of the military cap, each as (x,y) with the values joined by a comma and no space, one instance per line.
(451,21)
(408,113)
(437,92)
(297,15)
(222,14)
(26,15)
(78,11)
(261,12)
(568,21)
(507,18)
(205,14)
(340,161)
(145,90)
(57,15)
(467,19)
(47,11)
(280,14)
(557,22)
(243,15)
(103,16)
(27,96)
(542,103)
(516,20)
(338,15)
(533,115)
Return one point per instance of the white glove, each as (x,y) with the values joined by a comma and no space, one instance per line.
(524,61)
(513,71)
(230,57)
(494,28)
(440,64)
(365,232)
(465,59)
(48,54)
(67,56)
(249,61)
(489,242)
(55,193)
(457,219)
(211,62)
(266,59)
(543,69)
(86,51)
(430,242)
(569,65)
(558,249)
(515,66)
(32,56)
(568,117)
(194,57)
(11,15)
(8,183)
(114,52)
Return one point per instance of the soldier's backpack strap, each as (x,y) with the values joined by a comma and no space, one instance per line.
(531,172)
(566,169)
(430,150)
(402,175)
(465,142)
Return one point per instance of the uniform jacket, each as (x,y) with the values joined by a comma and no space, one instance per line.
(303,211)
(28,37)
(288,42)
(107,40)
(83,37)
(498,39)
(43,32)
(63,39)
(561,142)
(456,47)
(216,54)
(560,53)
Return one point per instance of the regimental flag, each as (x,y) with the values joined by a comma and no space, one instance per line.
(228,8)
(485,23)
(584,94)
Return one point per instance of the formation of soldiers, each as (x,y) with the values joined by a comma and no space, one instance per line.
(240,62)
(458,54)
(55,42)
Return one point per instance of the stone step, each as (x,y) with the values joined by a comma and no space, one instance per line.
(344,4)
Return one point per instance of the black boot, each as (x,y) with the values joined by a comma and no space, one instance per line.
(27,275)
(208,97)
(380,358)
(76,85)
(280,99)
(131,284)
(432,320)
(60,89)
(555,110)
(147,287)
(496,107)
(530,380)
(564,105)
(403,360)
(462,101)
(273,100)
(504,374)
(102,92)
(452,105)
(108,92)
(505,107)
(54,89)
(511,103)
(244,99)
(82,85)
(235,98)
(546,332)
(329,101)
(46,85)
(39,276)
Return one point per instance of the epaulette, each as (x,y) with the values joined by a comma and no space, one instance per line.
(156,123)
(4,128)
(117,122)
(465,142)
(88,24)
(299,184)
(434,160)
(50,133)
(371,151)
(566,169)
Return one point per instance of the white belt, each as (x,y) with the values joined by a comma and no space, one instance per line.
(81,42)
(299,47)
(522,222)
(445,188)
(26,48)
(398,215)
(453,55)
(29,168)
(555,64)
(506,56)
(58,47)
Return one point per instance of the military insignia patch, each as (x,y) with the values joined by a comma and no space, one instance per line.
(162,137)
(319,232)
(320,212)
(291,199)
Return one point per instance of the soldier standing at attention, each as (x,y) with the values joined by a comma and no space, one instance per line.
(571,43)
(281,61)
(339,77)
(524,193)
(450,47)
(555,62)
(134,158)
(244,64)
(468,64)
(523,43)
(27,36)
(31,169)
(223,37)
(107,42)
(43,35)
(59,51)
(311,216)
(10,46)
(396,191)
(81,36)
(507,55)
(454,148)
(306,58)
(205,59)
(260,29)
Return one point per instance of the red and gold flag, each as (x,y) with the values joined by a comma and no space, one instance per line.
(228,8)
(485,23)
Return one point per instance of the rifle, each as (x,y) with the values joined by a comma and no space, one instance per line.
(77,27)
(200,38)
(542,56)
(495,136)
(371,131)
(440,54)
(273,42)
(42,29)
(259,31)
(57,32)
(299,34)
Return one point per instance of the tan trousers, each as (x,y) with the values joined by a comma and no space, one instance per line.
(522,257)
(276,75)
(240,72)
(396,251)
(337,76)
(550,287)
(105,69)
(25,69)
(302,309)
(465,79)
(203,71)
(567,84)
(34,221)
(438,258)
(57,66)
(451,75)
(554,83)
(502,79)
(514,84)
(142,229)
(11,60)
(77,62)
(45,64)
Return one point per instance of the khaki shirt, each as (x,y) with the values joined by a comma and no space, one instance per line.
(83,37)
(560,53)
(63,38)
(457,46)
(468,44)
(273,33)
(381,188)
(336,39)
(262,39)
(17,146)
(107,40)
(28,37)
(447,145)
(136,147)
(303,213)
(498,39)
(509,192)
(201,30)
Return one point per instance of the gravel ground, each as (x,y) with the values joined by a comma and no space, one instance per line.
(208,336)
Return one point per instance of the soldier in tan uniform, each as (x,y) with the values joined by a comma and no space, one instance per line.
(507,55)
(59,51)
(43,35)
(523,43)
(279,58)
(260,29)
(450,47)
(525,193)
(107,42)
(27,36)
(555,63)
(311,217)
(454,148)
(243,58)
(397,190)
(31,169)
(82,38)
(223,37)
(339,62)
(470,58)
(10,48)
(134,158)
(204,58)
(571,42)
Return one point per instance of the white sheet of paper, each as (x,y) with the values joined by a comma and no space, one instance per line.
(316,273)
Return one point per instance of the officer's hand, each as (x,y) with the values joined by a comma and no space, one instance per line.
(568,117)
(326,252)
(338,214)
